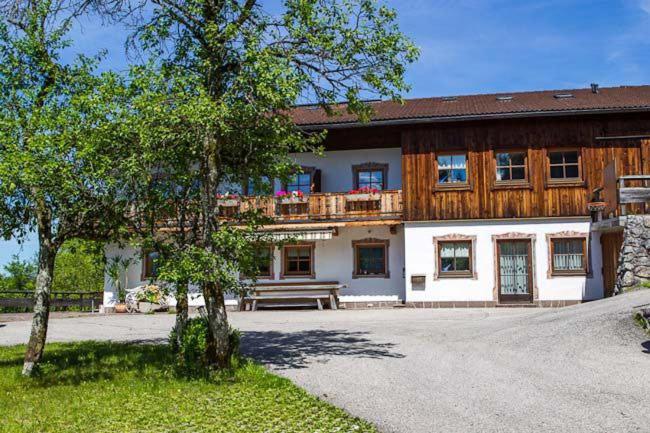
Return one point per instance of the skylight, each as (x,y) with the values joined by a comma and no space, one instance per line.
(505,98)
(563,96)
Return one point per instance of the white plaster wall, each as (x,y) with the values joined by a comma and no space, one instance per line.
(336,166)
(334,262)
(420,260)
(134,275)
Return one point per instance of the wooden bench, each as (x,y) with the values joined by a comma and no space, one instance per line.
(293,295)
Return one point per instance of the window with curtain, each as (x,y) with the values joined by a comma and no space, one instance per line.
(298,260)
(452,169)
(455,258)
(569,256)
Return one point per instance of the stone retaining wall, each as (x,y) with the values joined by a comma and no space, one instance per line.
(634,260)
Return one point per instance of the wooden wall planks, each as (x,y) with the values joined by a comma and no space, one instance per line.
(421,144)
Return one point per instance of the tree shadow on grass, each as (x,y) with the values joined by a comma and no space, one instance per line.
(290,350)
(86,361)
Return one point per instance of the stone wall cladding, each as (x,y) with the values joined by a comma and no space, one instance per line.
(634,259)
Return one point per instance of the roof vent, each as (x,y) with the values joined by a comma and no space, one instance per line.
(504,98)
(563,96)
(595,88)
(449,98)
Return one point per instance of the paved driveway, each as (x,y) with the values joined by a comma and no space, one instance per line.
(578,369)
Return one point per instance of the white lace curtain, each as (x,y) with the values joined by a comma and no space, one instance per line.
(513,267)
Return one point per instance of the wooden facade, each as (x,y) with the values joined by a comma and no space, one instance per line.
(482,198)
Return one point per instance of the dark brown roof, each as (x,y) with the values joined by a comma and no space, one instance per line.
(501,104)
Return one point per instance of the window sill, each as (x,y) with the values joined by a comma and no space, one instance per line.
(465,276)
(565,183)
(358,276)
(510,185)
(452,187)
(297,277)
(569,274)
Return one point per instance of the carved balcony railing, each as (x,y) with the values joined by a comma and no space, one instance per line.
(323,207)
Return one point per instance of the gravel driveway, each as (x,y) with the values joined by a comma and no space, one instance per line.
(577,369)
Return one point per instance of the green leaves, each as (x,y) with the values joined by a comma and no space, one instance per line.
(62,133)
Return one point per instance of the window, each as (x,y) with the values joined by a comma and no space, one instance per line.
(370,258)
(300,182)
(564,165)
(452,169)
(569,256)
(371,179)
(255,187)
(454,258)
(150,265)
(511,167)
(264,261)
(370,175)
(298,261)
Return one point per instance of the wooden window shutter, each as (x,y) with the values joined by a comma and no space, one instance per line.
(316,180)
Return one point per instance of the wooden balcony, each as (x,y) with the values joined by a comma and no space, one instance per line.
(621,195)
(324,207)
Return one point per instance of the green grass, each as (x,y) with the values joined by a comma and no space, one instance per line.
(110,387)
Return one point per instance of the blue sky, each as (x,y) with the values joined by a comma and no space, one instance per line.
(479,46)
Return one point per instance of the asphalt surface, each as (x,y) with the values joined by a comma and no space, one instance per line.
(578,369)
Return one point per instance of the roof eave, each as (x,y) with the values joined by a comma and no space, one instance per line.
(444,119)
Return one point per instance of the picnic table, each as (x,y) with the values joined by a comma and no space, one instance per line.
(292,295)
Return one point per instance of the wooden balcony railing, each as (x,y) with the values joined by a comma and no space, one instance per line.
(622,195)
(323,207)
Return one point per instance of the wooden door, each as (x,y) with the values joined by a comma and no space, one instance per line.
(611,246)
(515,271)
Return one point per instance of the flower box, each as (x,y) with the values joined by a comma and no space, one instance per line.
(293,200)
(228,202)
(371,196)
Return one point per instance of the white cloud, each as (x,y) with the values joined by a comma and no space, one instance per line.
(645,5)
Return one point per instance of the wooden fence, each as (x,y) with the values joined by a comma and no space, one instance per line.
(16,301)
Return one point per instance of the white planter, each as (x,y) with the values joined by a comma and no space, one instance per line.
(148,307)
(293,200)
(228,202)
(363,197)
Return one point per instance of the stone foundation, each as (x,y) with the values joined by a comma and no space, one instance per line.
(634,259)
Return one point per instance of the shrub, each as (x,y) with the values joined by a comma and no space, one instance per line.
(191,352)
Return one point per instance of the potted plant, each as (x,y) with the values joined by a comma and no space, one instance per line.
(151,298)
(291,197)
(363,194)
(228,200)
(116,269)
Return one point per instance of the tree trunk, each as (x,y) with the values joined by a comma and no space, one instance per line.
(219,347)
(36,345)
(219,344)
(181,311)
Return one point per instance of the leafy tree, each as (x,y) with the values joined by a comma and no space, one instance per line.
(18,274)
(234,71)
(79,267)
(61,142)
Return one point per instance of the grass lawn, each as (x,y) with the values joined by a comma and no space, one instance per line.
(111,387)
